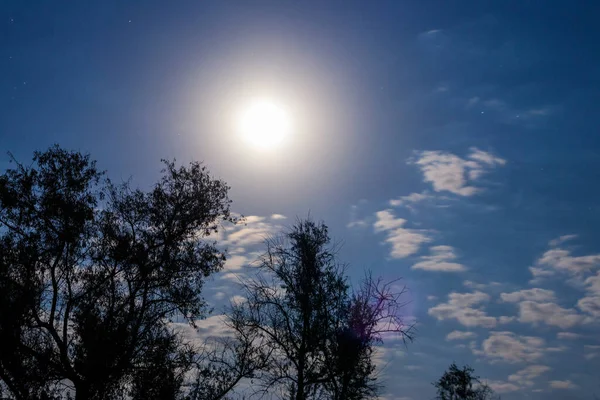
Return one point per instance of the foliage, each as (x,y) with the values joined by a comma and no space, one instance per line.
(91,272)
(461,384)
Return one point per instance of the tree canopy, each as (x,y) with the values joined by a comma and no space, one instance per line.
(91,272)
(462,384)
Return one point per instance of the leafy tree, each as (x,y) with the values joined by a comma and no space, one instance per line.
(319,335)
(461,384)
(92,272)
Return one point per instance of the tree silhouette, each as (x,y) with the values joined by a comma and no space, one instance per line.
(461,384)
(320,337)
(91,272)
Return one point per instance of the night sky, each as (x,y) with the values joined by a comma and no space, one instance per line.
(453,144)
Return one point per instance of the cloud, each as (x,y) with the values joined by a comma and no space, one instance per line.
(590,305)
(410,199)
(568,335)
(561,239)
(236,262)
(404,241)
(562,260)
(591,351)
(511,348)
(278,216)
(440,260)
(355,221)
(448,172)
(460,335)
(502,387)
(535,294)
(505,320)
(562,385)
(526,376)
(548,313)
(461,306)
(254,232)
(593,284)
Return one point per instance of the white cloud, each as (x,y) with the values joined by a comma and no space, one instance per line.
(538,274)
(237,299)
(593,284)
(404,241)
(461,306)
(460,335)
(505,320)
(548,313)
(568,335)
(448,172)
(236,262)
(534,294)
(562,260)
(526,376)
(278,216)
(511,348)
(590,305)
(254,232)
(355,220)
(440,260)
(562,385)
(410,199)
(475,285)
(432,298)
(502,387)
(591,351)
(561,239)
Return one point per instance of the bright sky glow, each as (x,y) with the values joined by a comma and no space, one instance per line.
(265,124)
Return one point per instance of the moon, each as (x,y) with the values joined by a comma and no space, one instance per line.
(265,124)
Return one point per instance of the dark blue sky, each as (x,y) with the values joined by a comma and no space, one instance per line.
(452,143)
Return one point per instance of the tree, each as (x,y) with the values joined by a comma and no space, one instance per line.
(372,312)
(92,272)
(461,384)
(320,337)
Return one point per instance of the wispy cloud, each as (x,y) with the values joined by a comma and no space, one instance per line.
(549,313)
(466,308)
(451,173)
(440,259)
(568,335)
(526,376)
(534,294)
(410,199)
(461,335)
(355,220)
(511,348)
(404,242)
(502,387)
(562,385)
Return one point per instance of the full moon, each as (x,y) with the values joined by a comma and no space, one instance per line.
(264,124)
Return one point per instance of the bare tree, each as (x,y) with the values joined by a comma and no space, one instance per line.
(321,337)
(374,312)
